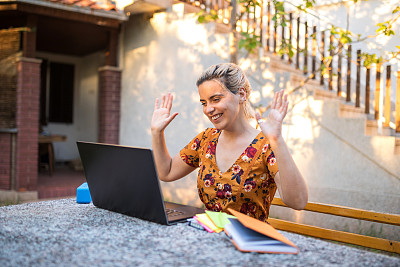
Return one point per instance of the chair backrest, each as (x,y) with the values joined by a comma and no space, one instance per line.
(341,236)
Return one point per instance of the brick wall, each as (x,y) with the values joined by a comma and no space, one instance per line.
(27,121)
(9,51)
(5,161)
(109,104)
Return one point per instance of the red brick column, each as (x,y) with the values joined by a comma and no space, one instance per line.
(109,104)
(5,161)
(27,122)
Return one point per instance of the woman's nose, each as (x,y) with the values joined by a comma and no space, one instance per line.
(210,109)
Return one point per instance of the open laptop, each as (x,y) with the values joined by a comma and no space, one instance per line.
(124,180)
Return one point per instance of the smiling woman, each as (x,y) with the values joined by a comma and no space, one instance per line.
(238,164)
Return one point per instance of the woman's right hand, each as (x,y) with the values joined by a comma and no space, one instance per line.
(162,114)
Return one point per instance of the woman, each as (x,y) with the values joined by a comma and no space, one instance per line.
(238,164)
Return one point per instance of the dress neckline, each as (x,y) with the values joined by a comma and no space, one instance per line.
(216,138)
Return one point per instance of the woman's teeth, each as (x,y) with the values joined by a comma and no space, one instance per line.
(216,116)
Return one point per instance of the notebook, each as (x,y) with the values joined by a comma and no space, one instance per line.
(124,179)
(251,235)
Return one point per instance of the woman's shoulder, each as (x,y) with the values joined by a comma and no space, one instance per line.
(205,134)
(211,131)
(261,142)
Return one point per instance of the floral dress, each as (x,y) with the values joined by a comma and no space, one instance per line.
(247,186)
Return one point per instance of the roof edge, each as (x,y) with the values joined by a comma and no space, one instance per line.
(83,10)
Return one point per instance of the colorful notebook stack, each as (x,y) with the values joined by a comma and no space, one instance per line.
(212,221)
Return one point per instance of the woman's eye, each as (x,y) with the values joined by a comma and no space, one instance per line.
(203,103)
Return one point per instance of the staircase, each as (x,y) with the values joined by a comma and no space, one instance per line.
(345,156)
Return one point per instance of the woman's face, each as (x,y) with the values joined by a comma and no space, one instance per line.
(219,104)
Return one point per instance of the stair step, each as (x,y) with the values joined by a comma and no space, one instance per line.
(321,94)
(397,145)
(276,65)
(348,111)
(372,128)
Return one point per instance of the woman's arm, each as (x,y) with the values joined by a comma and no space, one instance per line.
(291,184)
(169,169)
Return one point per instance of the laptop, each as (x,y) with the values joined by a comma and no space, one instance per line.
(124,179)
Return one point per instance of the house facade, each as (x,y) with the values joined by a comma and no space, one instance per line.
(50,51)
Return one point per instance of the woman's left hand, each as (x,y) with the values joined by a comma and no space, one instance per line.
(272,127)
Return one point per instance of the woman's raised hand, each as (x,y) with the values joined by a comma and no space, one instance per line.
(162,113)
(272,127)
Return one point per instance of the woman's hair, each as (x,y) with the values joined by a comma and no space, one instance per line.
(232,78)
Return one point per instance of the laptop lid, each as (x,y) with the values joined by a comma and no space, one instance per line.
(124,179)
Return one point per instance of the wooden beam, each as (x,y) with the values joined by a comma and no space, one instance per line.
(275,33)
(358,78)
(322,50)
(112,49)
(314,51)
(29,37)
(268,32)
(298,43)
(348,77)
(290,37)
(305,65)
(339,70)
(377,90)
(367,90)
(7,7)
(350,238)
(397,116)
(387,108)
(331,53)
(359,214)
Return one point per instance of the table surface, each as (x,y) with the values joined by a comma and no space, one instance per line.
(52,138)
(64,233)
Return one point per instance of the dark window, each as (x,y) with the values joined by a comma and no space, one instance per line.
(60,93)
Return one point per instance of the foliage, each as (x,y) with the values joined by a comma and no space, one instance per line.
(248,5)
(204,17)
(250,41)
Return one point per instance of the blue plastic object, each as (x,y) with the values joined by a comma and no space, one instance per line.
(83,194)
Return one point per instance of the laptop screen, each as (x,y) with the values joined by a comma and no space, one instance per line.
(123,179)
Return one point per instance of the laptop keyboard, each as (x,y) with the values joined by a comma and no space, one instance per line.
(172,212)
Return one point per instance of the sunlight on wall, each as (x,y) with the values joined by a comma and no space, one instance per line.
(221,41)
(267,74)
(192,33)
(255,97)
(186,54)
(267,90)
(159,20)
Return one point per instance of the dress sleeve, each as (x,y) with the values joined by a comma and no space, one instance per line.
(190,154)
(271,163)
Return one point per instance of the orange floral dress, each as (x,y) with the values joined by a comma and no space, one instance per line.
(247,186)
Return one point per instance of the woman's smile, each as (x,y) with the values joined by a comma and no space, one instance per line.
(216,117)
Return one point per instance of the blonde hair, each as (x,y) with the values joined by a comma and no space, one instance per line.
(232,78)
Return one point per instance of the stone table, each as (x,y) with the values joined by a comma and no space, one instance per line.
(64,233)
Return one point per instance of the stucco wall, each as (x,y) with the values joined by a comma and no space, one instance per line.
(167,53)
